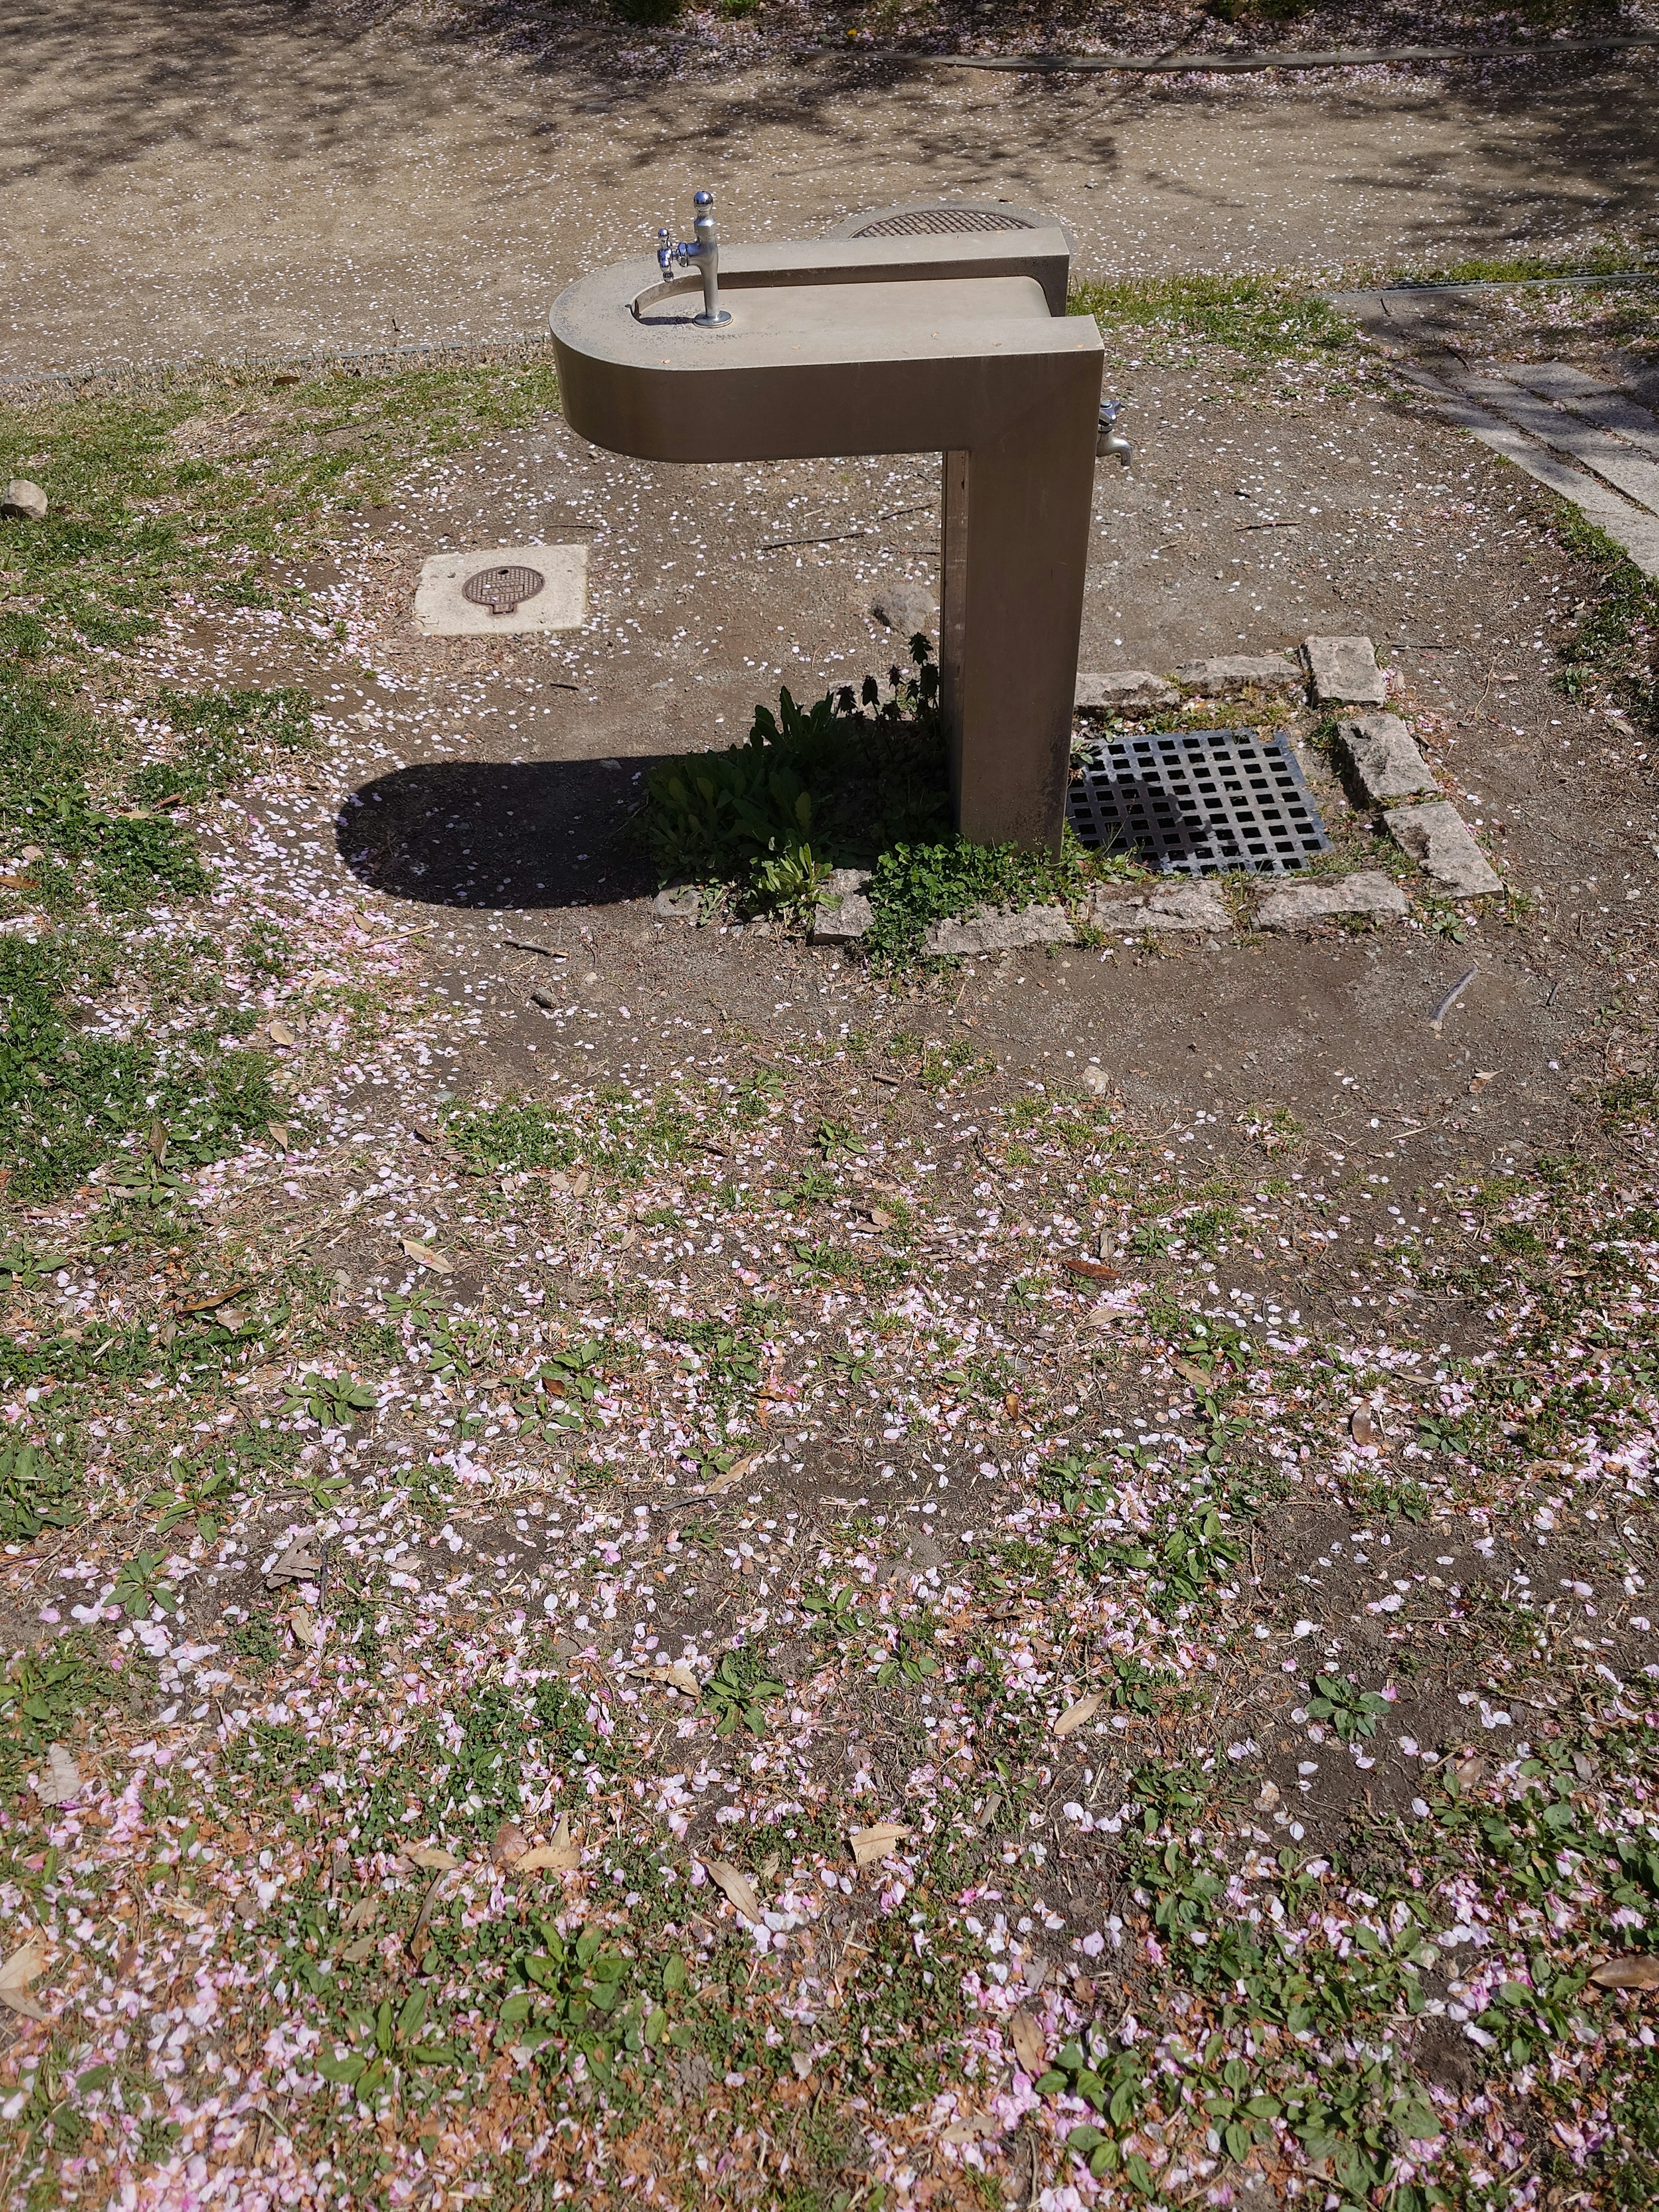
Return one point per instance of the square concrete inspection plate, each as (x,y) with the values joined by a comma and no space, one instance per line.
(441,609)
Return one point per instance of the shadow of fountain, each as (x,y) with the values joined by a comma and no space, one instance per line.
(487,834)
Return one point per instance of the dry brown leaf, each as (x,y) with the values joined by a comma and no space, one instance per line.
(1268,1798)
(355,1953)
(279,1132)
(510,1844)
(738,1472)
(426,1255)
(1031,2048)
(1469,1772)
(430,1856)
(24,1965)
(875,1841)
(303,1622)
(177,1908)
(280,1033)
(1083,1710)
(737,1887)
(1639,1969)
(1189,1372)
(562,1855)
(680,1677)
(1095,1271)
(1362,1427)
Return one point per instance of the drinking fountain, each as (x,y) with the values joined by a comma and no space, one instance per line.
(958,344)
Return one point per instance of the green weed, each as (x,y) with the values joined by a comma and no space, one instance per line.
(812,788)
(739,1691)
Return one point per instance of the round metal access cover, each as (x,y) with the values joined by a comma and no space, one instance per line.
(502,589)
(949,219)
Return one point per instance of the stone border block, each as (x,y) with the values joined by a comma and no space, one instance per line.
(1327,898)
(1229,673)
(844,912)
(1438,838)
(1344,671)
(1386,762)
(1123,687)
(987,931)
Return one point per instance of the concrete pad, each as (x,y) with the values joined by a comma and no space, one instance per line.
(987,931)
(844,913)
(1326,898)
(1384,758)
(1121,688)
(562,603)
(1230,672)
(1439,838)
(1344,671)
(1184,906)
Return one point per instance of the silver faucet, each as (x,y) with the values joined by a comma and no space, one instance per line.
(704,254)
(1112,440)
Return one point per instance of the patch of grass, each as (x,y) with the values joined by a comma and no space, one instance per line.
(43,1693)
(37,1492)
(1609,259)
(912,886)
(69,1101)
(1262,318)
(1616,642)
(223,736)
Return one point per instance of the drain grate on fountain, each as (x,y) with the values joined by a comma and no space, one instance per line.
(948,219)
(1198,802)
(941,221)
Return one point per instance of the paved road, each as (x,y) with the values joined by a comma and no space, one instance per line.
(187,177)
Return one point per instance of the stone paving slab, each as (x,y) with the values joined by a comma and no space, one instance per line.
(1344,671)
(1438,838)
(1327,898)
(1387,762)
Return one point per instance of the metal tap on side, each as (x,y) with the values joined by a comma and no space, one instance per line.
(702,253)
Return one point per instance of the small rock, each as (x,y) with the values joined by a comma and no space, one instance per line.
(1123,687)
(1230,672)
(1299,904)
(542,997)
(1184,906)
(1384,758)
(988,931)
(61,1783)
(844,914)
(679,903)
(910,610)
(1344,671)
(1437,837)
(21,497)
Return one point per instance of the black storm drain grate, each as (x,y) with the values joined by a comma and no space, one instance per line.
(1198,802)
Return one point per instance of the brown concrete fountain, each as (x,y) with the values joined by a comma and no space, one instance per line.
(959,344)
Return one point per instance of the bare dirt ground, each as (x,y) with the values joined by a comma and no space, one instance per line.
(183,181)
(1047,1467)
